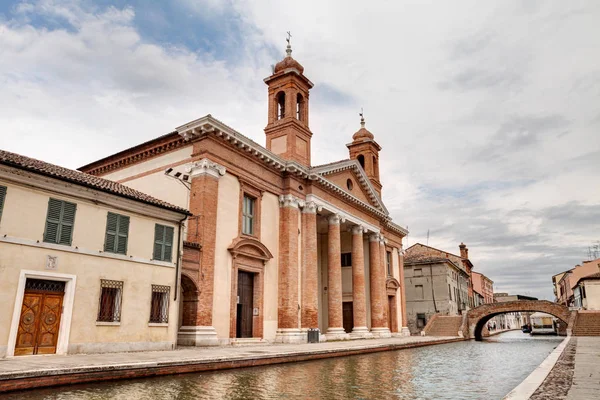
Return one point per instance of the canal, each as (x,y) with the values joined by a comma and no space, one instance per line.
(464,370)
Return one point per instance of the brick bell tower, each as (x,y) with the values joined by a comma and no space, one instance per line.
(365,149)
(287,131)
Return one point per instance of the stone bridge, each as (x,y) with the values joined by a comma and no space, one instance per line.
(477,318)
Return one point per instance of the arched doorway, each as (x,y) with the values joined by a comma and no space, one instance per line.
(188,313)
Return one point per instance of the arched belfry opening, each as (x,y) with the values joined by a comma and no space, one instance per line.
(361,160)
(280,99)
(287,131)
(299,107)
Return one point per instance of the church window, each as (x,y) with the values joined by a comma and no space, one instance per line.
(299,106)
(361,160)
(280,105)
(349,184)
(248,215)
(346,259)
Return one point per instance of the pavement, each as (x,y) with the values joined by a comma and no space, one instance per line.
(37,371)
(586,377)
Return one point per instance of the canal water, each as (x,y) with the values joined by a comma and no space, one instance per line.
(464,370)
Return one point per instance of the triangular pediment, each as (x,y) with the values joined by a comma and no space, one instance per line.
(349,176)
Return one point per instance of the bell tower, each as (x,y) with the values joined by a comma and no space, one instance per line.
(365,149)
(287,131)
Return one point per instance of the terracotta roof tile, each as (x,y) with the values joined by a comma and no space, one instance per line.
(80,178)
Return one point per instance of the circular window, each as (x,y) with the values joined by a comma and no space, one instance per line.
(300,188)
(349,184)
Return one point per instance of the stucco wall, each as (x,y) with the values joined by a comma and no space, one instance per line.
(227,230)
(592,293)
(22,248)
(154,163)
(269,231)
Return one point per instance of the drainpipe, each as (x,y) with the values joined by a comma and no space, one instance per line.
(179,257)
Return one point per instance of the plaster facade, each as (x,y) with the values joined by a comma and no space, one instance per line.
(82,264)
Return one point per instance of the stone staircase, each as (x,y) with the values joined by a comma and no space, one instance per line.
(443,325)
(587,324)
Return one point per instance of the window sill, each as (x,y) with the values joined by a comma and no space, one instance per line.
(103,323)
(158,324)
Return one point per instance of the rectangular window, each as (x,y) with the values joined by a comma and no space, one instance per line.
(388,260)
(163,242)
(117,231)
(111,293)
(59,222)
(421,322)
(159,308)
(419,292)
(2,197)
(346,259)
(450,292)
(418,272)
(248,215)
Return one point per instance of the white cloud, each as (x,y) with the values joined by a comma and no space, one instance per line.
(487,112)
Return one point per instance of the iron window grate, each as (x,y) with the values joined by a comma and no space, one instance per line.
(111,294)
(159,307)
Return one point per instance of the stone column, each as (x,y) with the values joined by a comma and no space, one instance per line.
(287,311)
(310,272)
(335,329)
(385,300)
(404,331)
(377,281)
(359,302)
(204,192)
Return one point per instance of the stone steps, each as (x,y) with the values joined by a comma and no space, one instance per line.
(587,324)
(444,325)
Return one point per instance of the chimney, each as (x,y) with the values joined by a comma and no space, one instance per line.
(464,252)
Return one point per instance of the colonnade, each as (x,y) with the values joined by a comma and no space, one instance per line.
(288,324)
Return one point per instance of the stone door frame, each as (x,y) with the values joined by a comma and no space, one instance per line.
(62,344)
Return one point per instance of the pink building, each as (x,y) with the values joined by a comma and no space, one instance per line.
(484,286)
(565,281)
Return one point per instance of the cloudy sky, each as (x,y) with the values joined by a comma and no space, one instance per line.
(488,112)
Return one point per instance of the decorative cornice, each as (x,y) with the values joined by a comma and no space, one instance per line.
(310,207)
(287,200)
(336,210)
(206,167)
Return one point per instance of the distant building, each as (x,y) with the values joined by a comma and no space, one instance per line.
(586,292)
(484,286)
(565,282)
(86,265)
(436,282)
(512,320)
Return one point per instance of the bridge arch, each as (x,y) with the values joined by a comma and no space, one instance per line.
(479,316)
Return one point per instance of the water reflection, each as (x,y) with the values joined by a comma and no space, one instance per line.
(466,370)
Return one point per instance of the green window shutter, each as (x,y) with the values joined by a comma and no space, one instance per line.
(111,232)
(163,242)
(59,222)
(168,249)
(159,233)
(117,231)
(67,223)
(2,197)
(123,234)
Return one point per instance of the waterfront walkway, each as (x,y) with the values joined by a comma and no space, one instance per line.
(586,377)
(41,371)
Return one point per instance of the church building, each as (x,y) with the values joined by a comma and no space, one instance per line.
(275,246)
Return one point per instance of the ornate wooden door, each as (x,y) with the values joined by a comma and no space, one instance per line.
(40,318)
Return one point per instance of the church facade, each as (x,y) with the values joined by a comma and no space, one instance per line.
(275,245)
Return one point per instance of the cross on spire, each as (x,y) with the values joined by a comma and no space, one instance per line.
(362,117)
(288,50)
